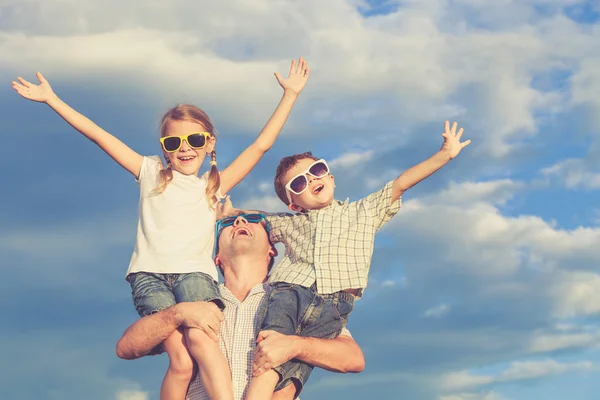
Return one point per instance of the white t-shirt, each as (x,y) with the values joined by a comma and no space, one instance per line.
(176,228)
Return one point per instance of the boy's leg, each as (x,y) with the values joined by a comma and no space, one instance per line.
(325,319)
(212,364)
(286,308)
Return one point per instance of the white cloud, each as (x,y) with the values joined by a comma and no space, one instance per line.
(576,294)
(517,371)
(400,69)
(473,396)
(574,174)
(131,395)
(437,311)
(349,160)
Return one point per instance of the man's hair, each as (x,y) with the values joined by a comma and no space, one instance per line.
(284,166)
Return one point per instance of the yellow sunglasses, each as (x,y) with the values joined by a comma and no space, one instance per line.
(196,140)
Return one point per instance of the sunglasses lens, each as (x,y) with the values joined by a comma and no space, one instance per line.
(196,140)
(253,218)
(298,184)
(319,169)
(172,143)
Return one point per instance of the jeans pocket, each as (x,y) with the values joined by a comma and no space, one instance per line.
(343,308)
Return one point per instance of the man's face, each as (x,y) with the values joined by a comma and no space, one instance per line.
(244,238)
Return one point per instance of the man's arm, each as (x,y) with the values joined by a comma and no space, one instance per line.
(450,149)
(341,354)
(145,334)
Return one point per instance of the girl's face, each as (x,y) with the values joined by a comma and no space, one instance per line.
(187,160)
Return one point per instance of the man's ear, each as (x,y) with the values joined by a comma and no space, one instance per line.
(217,260)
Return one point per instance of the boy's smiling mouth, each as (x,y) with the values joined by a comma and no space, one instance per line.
(317,189)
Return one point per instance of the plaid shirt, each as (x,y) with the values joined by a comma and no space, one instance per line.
(331,246)
(238,339)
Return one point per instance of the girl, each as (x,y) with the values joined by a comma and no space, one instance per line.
(172,260)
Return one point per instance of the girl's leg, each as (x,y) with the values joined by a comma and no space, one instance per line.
(212,365)
(181,367)
(262,386)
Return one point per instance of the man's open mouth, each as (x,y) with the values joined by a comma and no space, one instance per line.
(241,231)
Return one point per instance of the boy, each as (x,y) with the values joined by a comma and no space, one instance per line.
(329,245)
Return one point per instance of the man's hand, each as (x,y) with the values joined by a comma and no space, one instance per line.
(202,315)
(297,77)
(452,145)
(272,350)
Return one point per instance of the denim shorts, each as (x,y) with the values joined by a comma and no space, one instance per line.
(296,310)
(155,292)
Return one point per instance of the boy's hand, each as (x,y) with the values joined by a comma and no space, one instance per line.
(40,93)
(452,144)
(297,78)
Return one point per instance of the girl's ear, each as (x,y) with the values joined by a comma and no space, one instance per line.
(332,180)
(210,146)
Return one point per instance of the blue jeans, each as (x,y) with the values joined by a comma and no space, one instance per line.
(296,310)
(155,292)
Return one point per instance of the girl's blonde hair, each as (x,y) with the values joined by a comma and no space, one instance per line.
(189,112)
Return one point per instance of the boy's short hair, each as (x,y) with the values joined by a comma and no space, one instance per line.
(284,166)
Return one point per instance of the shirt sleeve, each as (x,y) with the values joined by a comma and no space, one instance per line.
(379,205)
(149,177)
(278,223)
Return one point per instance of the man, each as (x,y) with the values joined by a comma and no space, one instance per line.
(244,255)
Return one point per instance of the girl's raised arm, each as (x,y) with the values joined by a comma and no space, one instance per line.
(243,164)
(119,151)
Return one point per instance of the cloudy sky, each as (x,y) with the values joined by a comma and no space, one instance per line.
(484,287)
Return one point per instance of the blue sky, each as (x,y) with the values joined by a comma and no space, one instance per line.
(484,287)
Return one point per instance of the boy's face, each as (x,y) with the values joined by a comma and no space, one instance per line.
(318,194)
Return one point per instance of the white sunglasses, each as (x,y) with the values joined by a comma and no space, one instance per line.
(299,183)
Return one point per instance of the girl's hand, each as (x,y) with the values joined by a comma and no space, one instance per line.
(452,144)
(297,78)
(41,93)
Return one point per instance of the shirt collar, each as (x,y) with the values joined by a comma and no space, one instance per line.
(334,204)
(259,288)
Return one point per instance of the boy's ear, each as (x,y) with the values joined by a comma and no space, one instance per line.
(295,208)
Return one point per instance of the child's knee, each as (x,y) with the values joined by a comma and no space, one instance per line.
(198,339)
(181,364)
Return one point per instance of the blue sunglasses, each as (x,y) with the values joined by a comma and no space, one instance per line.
(229,221)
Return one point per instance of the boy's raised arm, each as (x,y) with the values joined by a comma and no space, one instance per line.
(450,149)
